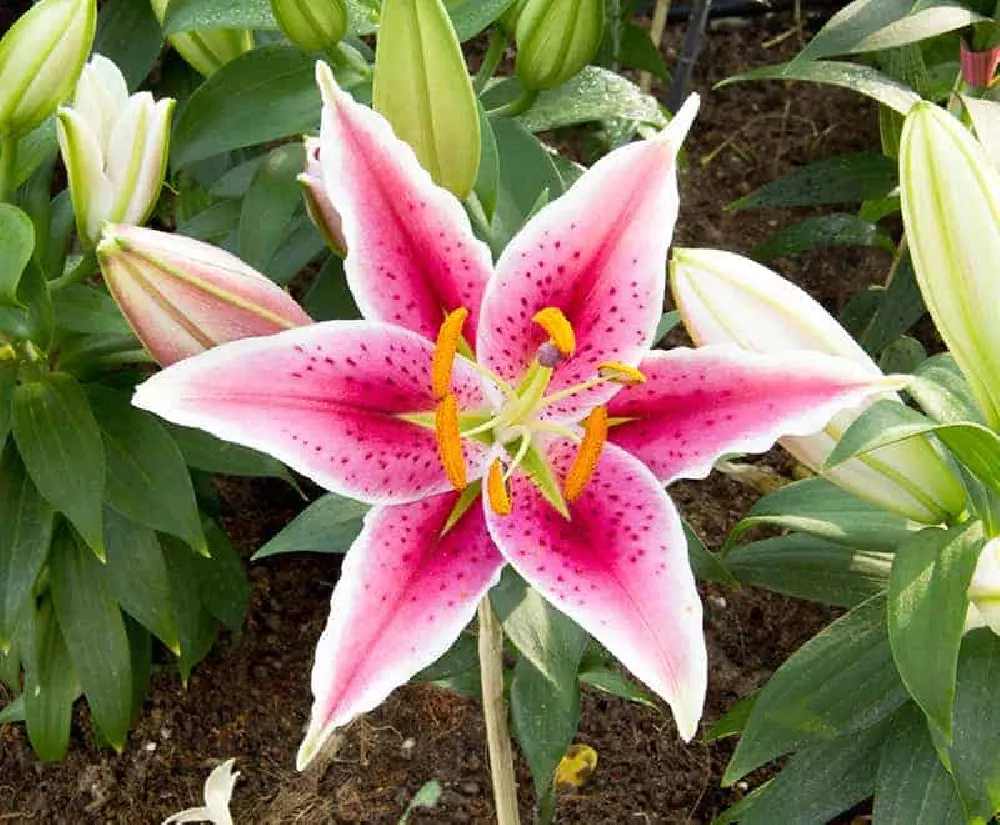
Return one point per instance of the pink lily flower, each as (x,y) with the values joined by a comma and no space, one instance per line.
(514,416)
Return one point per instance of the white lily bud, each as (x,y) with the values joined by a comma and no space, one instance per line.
(115,149)
(984,590)
(726,298)
(950,192)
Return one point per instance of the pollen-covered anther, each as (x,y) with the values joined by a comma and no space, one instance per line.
(445,349)
(548,355)
(560,330)
(621,373)
(449,441)
(497,491)
(595,434)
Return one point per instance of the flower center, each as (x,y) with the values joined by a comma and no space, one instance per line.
(519,419)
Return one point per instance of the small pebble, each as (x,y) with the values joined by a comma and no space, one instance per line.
(470,788)
(150,746)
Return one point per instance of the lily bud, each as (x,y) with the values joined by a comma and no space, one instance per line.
(182,296)
(320,208)
(978,68)
(40,60)
(209,50)
(115,149)
(726,298)
(556,39)
(950,194)
(422,87)
(314,25)
(984,590)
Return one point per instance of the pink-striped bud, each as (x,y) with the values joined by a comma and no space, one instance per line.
(978,68)
(321,210)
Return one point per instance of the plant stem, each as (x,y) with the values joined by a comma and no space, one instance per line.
(492,58)
(495,711)
(8,151)
(474,208)
(656,35)
(545,808)
(516,107)
(85,267)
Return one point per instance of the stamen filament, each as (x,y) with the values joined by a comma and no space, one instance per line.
(444,351)
(558,429)
(505,388)
(496,489)
(574,390)
(595,434)
(522,451)
(449,441)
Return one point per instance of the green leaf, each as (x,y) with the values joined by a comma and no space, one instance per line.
(8,381)
(866,26)
(222,579)
(707,566)
(141,650)
(668,321)
(299,245)
(470,17)
(976,726)
(194,15)
(33,319)
(33,149)
(17,241)
(899,307)
(594,94)
(888,422)
(362,16)
(735,719)
(147,479)
(841,681)
(544,636)
(80,308)
(811,568)
(94,631)
(488,176)
(60,444)
(840,179)
(13,711)
(862,79)
(50,685)
(25,536)
(128,33)
(262,95)
(463,656)
(269,204)
(617,684)
(328,525)
(818,783)
(638,52)
(196,627)
(136,575)
(329,298)
(819,231)
(821,508)
(216,223)
(912,785)
(212,455)
(927,605)
(940,388)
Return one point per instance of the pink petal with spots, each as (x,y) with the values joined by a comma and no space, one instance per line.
(619,568)
(599,253)
(411,256)
(324,400)
(404,596)
(699,404)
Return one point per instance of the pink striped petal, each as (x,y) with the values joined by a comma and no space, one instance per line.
(619,568)
(323,399)
(412,256)
(403,597)
(599,254)
(699,404)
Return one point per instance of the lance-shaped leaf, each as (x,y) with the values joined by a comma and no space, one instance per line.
(17,241)
(951,211)
(422,87)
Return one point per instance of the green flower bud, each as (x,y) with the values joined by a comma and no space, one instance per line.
(421,86)
(556,39)
(314,25)
(209,50)
(40,60)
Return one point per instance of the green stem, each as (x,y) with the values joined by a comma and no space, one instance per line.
(545,808)
(516,107)
(8,153)
(474,208)
(492,58)
(495,713)
(85,267)
(345,56)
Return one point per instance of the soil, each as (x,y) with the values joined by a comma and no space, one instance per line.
(250,698)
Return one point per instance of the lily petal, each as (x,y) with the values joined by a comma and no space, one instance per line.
(412,256)
(598,254)
(325,400)
(699,404)
(405,594)
(619,568)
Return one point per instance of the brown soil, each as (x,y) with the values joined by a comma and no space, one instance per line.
(250,698)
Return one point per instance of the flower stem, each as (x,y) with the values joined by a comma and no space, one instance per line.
(492,58)
(495,711)
(85,267)
(8,151)
(518,106)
